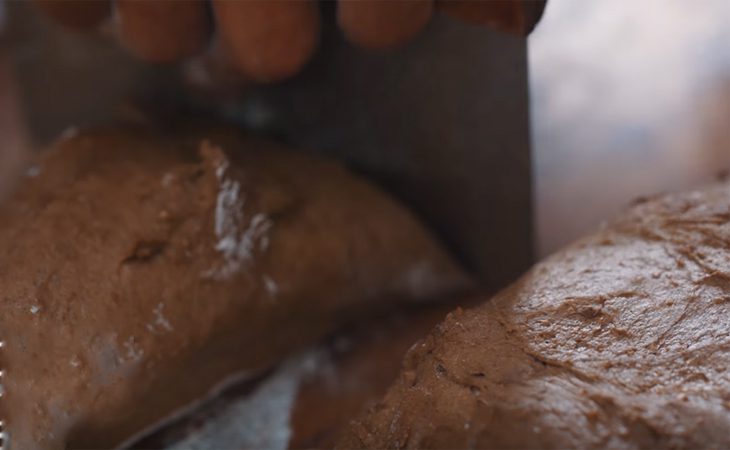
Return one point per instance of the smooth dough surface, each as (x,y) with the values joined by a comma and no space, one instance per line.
(139,269)
(621,341)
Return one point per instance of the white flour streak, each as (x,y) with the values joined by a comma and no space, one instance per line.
(133,353)
(237,240)
(264,244)
(33,172)
(271,287)
(261,419)
(160,319)
(69,133)
(167,179)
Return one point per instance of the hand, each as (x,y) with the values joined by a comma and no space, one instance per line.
(270,40)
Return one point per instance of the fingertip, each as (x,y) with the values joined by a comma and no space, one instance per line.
(268,40)
(383,24)
(163,31)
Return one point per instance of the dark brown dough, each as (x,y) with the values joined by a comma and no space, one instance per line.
(620,341)
(366,361)
(306,400)
(137,271)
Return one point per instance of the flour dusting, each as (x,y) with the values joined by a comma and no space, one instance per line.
(33,171)
(160,318)
(133,352)
(238,235)
(167,179)
(271,287)
(262,419)
(4,438)
(69,133)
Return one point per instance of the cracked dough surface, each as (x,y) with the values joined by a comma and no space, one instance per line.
(620,341)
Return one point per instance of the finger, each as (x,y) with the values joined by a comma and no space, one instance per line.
(382,24)
(163,30)
(511,16)
(75,13)
(268,40)
(212,79)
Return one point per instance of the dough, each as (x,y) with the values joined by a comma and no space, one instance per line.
(621,341)
(308,398)
(140,269)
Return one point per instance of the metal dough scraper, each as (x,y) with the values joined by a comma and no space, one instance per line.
(441,123)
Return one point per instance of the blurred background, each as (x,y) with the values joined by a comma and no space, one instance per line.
(628,98)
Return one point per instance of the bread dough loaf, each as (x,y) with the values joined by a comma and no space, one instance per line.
(138,270)
(620,341)
(308,398)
